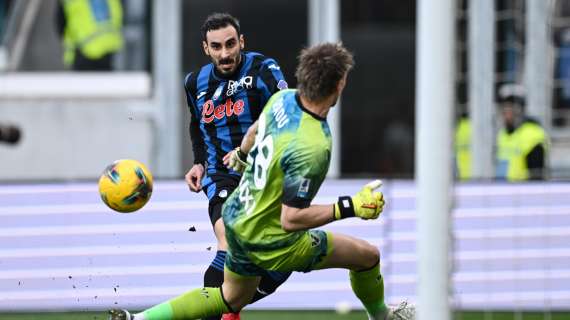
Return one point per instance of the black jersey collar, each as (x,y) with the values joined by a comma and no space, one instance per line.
(314,115)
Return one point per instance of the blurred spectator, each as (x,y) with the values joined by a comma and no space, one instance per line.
(91,31)
(522,142)
(463,147)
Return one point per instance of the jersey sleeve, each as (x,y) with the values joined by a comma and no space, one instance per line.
(198,146)
(303,173)
(272,77)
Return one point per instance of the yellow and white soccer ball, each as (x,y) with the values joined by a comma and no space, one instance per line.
(125,185)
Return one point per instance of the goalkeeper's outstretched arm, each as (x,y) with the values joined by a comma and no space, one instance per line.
(366,204)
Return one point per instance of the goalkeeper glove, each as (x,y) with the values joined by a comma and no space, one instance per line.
(237,161)
(366,204)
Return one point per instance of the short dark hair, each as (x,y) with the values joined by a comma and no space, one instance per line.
(217,21)
(320,69)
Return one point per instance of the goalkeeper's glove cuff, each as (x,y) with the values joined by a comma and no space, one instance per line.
(241,155)
(237,161)
(344,208)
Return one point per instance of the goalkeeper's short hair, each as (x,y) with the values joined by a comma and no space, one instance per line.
(320,69)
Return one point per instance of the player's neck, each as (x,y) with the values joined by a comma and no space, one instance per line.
(320,108)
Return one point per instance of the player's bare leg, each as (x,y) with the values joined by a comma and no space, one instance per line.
(238,290)
(220,233)
(363,261)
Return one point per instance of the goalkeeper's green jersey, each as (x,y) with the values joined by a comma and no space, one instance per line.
(287,165)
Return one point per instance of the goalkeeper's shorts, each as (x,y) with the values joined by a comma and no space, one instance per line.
(305,254)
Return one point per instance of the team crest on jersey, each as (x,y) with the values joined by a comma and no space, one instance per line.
(282,84)
(303,191)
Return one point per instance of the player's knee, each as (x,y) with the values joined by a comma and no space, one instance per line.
(372,256)
(236,303)
(235,300)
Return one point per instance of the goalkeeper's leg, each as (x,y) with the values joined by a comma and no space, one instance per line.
(236,292)
(363,261)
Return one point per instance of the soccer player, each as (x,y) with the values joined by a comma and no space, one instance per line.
(225,98)
(269,220)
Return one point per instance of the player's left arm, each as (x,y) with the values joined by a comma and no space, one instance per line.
(295,219)
(365,204)
(304,171)
(271,78)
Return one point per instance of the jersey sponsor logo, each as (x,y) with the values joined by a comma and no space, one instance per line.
(304,188)
(200,95)
(227,109)
(237,86)
(315,240)
(282,84)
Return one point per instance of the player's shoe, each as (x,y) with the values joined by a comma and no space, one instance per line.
(230,316)
(120,314)
(403,311)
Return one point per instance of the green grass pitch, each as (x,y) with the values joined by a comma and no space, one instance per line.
(301,315)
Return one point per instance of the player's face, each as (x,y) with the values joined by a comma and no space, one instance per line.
(224,47)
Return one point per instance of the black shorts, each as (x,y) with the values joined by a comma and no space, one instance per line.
(218,188)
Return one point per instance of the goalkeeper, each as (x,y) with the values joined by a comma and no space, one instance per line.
(269,218)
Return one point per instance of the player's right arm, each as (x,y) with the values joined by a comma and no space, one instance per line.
(196,173)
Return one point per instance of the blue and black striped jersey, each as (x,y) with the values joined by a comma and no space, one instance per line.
(223,108)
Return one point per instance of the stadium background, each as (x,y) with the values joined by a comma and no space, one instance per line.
(510,242)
